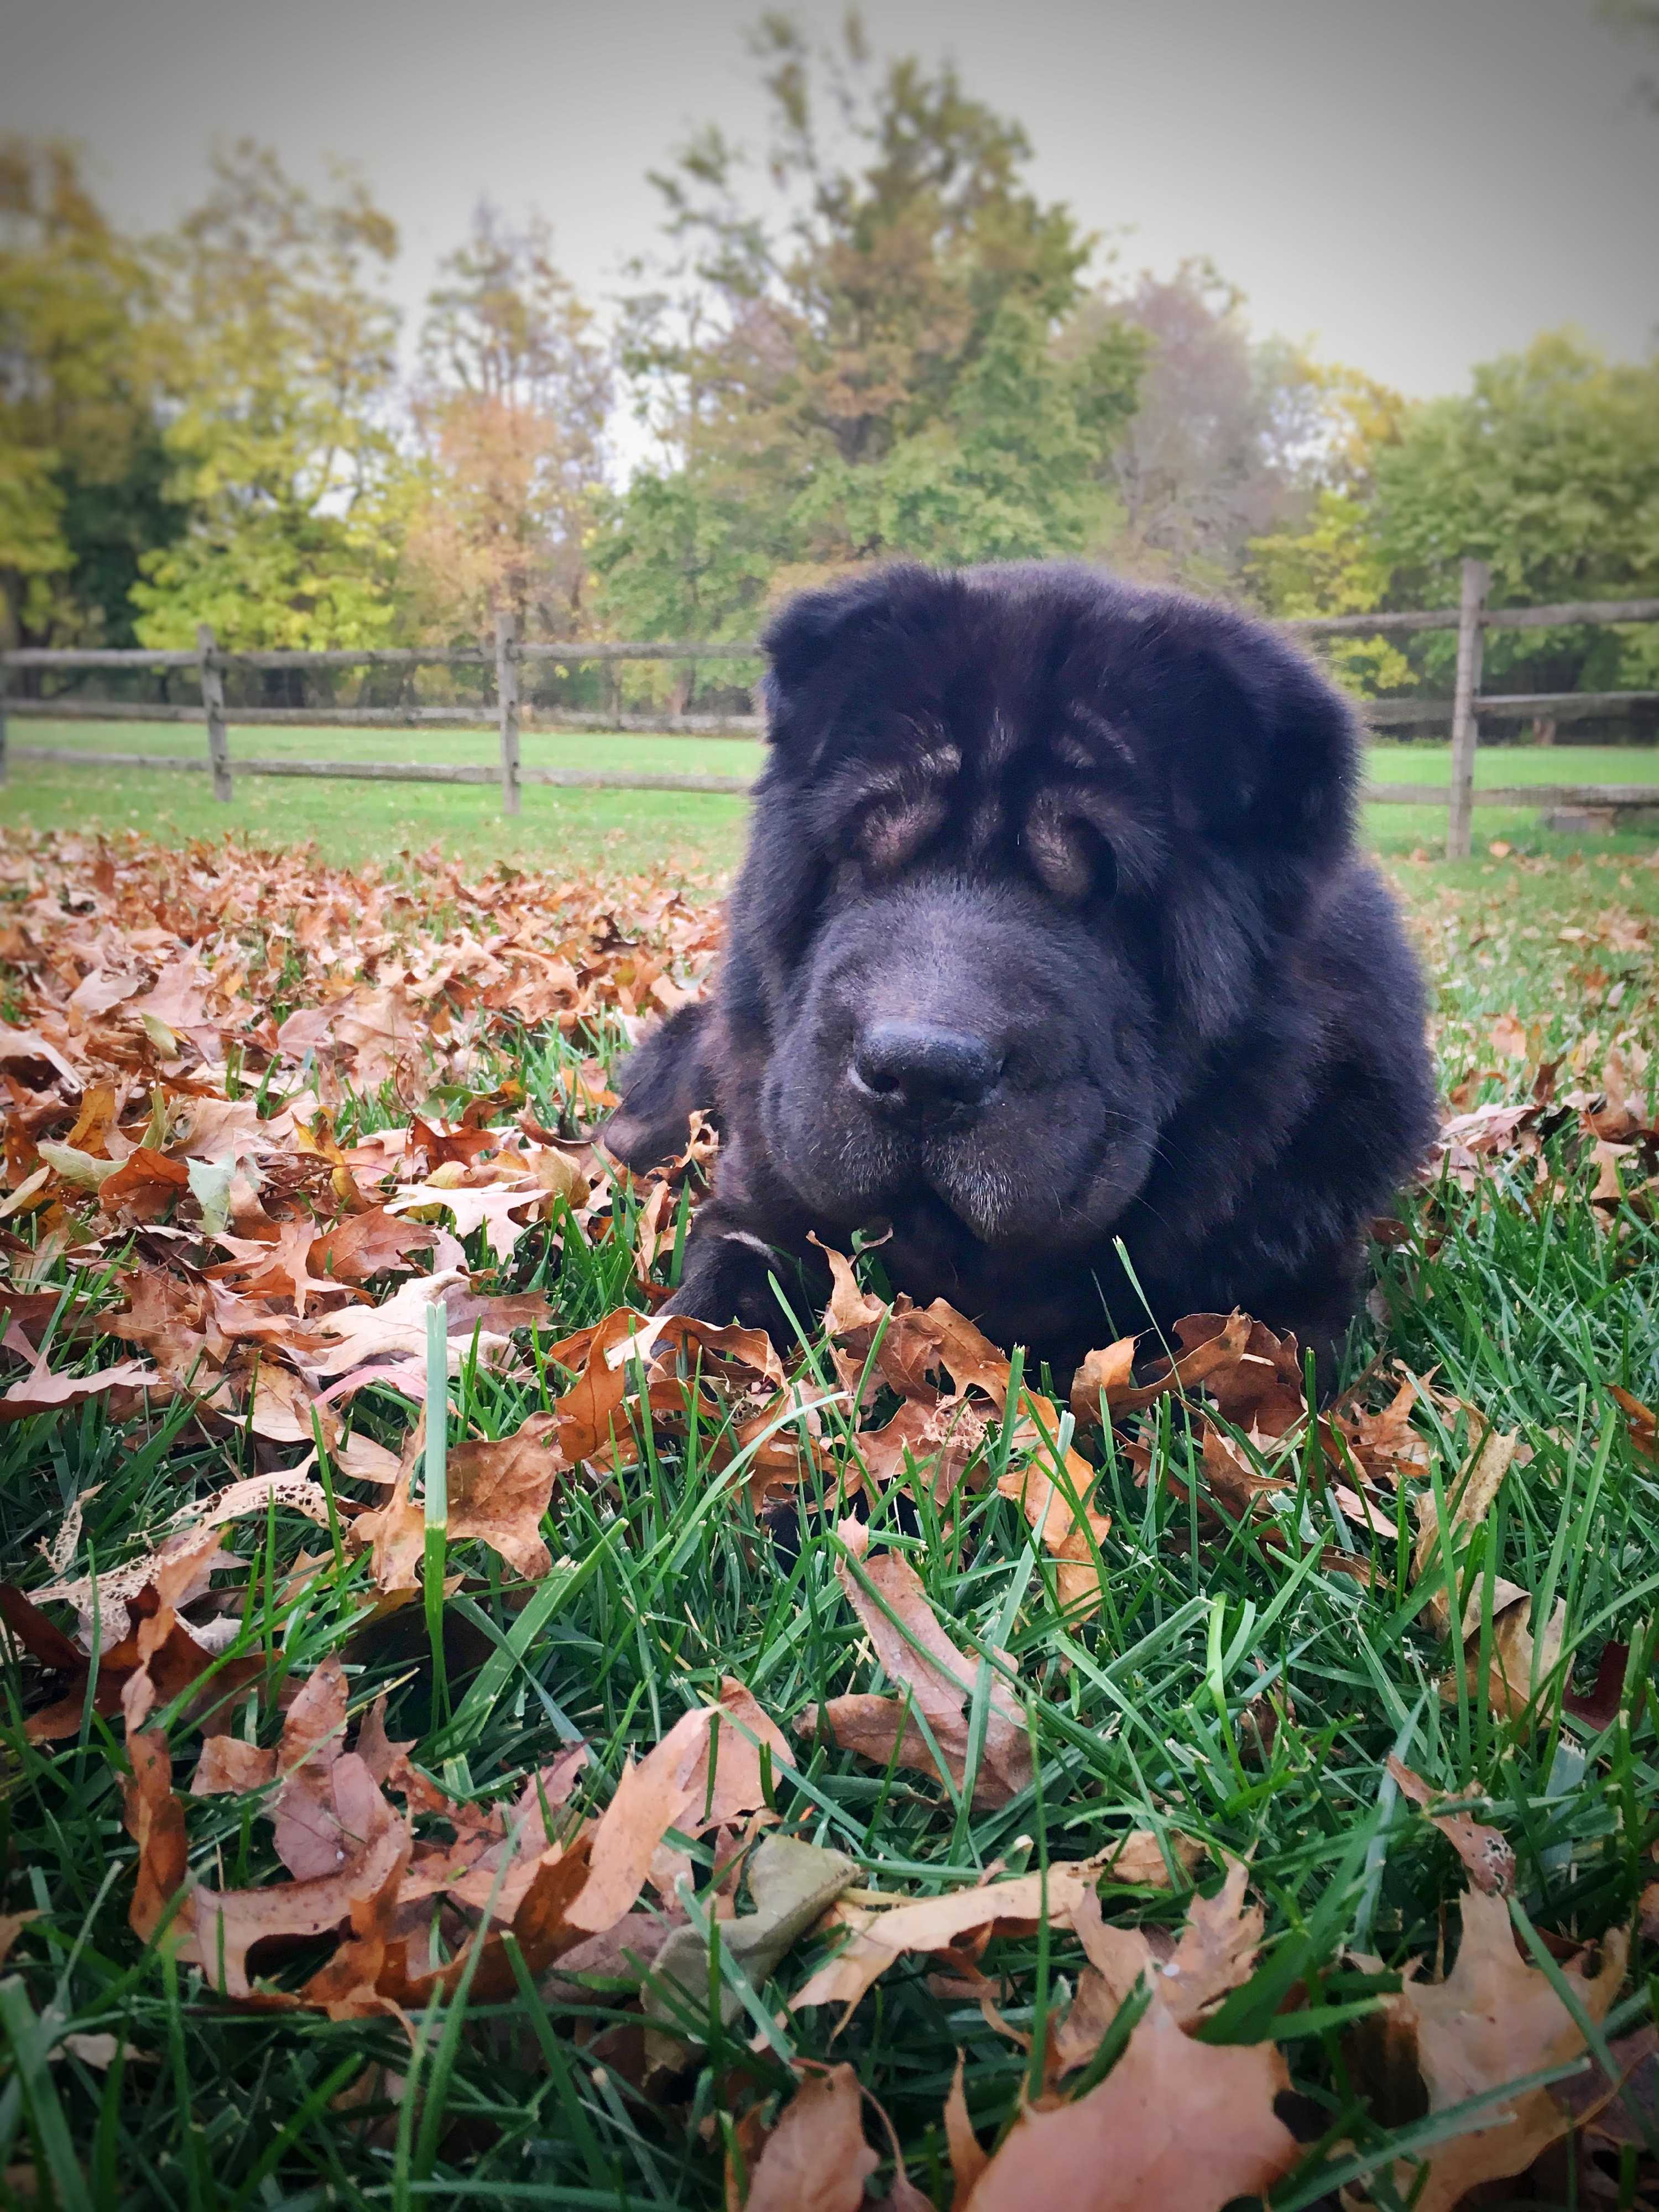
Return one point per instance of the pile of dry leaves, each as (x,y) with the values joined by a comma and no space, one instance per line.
(187,1232)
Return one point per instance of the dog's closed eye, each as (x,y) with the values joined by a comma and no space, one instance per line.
(1070,855)
(891,831)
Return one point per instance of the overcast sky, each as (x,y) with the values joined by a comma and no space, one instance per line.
(1415,185)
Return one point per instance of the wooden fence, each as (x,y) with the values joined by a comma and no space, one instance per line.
(1467,708)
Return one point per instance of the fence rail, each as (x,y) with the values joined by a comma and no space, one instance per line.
(211,662)
(1590,797)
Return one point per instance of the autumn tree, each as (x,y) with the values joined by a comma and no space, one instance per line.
(1225,440)
(282,439)
(849,350)
(83,353)
(510,411)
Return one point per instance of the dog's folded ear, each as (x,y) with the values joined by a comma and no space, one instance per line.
(873,623)
(801,637)
(663,1082)
(1263,750)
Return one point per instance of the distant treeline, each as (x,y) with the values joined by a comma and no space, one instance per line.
(872,340)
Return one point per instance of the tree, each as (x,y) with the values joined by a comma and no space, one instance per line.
(511,409)
(83,351)
(281,439)
(1223,440)
(1010,472)
(1549,471)
(856,357)
(1328,560)
(1333,566)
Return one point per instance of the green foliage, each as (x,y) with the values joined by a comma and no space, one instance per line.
(281,441)
(1010,473)
(276,577)
(82,354)
(1332,566)
(677,556)
(110,522)
(859,361)
(1549,469)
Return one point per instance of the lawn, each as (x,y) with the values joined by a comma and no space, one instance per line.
(1217,1680)
(583,830)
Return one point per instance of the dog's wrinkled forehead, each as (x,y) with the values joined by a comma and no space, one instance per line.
(984,739)
(977,705)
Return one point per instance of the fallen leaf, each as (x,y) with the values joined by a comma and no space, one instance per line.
(19,1047)
(704,1772)
(12,1925)
(849,1308)
(1216,1949)
(101,2051)
(395,1533)
(888,1596)
(1182,2125)
(588,1410)
(1495,2019)
(40,1391)
(969,2159)
(1618,2109)
(479,1198)
(1520,1666)
(940,1440)
(1109,1374)
(1143,1859)
(791,1885)
(228,1766)
(145,1185)
(882,1937)
(1213,1343)
(1053,1490)
(816,2159)
(320,1798)
(1217,1952)
(281,1269)
(1598,1707)
(1483,1851)
(228,1924)
(156,1821)
(396,1330)
(82,1169)
(363,1245)
(1644,1422)
(499,1491)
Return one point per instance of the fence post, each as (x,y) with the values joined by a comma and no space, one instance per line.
(506,706)
(213,698)
(1471,645)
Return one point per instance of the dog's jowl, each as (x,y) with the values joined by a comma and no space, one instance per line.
(1053,954)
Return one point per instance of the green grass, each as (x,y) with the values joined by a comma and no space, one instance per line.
(357,822)
(1527,1311)
(352,822)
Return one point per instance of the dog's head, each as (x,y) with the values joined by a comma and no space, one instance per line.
(1027,844)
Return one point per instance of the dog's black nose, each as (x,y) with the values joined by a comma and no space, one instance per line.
(918,1071)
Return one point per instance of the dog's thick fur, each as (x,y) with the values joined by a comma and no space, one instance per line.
(1051,939)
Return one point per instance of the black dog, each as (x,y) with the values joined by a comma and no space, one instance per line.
(1051,939)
